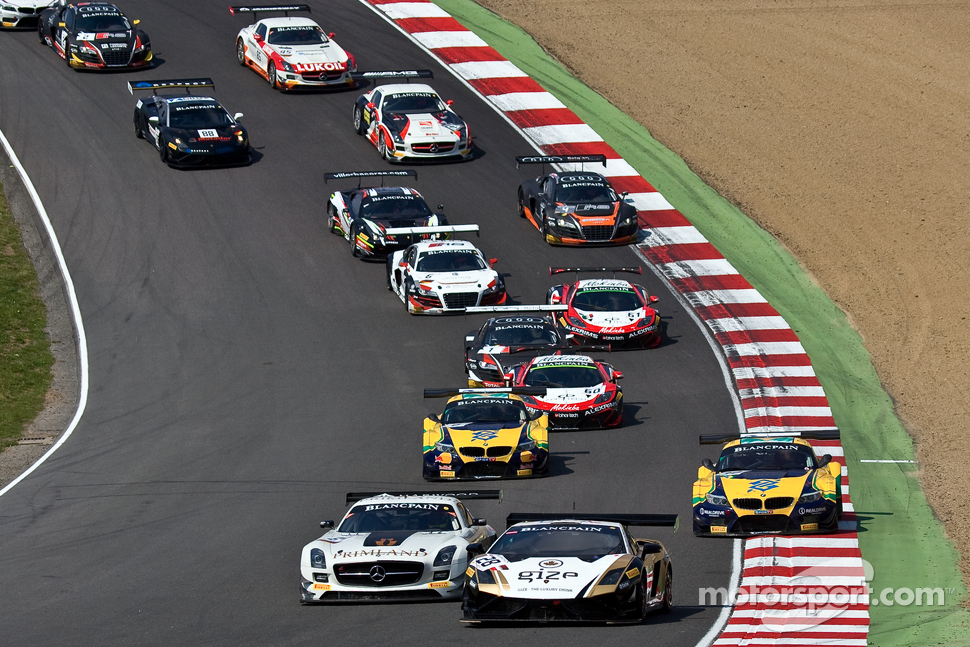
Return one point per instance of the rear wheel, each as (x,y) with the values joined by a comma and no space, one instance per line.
(240,51)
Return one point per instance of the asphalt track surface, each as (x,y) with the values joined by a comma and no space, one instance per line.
(246,372)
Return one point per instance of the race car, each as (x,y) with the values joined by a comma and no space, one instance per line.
(607,311)
(395,546)
(292,52)
(486,347)
(570,568)
(23,15)
(189,130)
(581,392)
(364,216)
(410,121)
(576,207)
(447,276)
(94,36)
(485,434)
(767,485)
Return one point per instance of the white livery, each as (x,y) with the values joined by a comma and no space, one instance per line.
(23,14)
(412,546)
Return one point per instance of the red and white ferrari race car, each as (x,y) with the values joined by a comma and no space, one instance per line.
(581,393)
(607,311)
(292,52)
(410,120)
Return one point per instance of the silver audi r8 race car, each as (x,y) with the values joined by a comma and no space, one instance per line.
(585,568)
(24,14)
(395,546)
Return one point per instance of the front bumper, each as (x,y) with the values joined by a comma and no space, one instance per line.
(453,467)
(802,519)
(649,337)
(138,61)
(332,591)
(293,80)
(217,157)
(19,19)
(602,608)
(454,302)
(409,151)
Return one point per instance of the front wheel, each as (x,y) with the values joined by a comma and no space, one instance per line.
(332,218)
(163,152)
(359,126)
(521,204)
(139,133)
(382,147)
(668,600)
(240,51)
(271,75)
(353,242)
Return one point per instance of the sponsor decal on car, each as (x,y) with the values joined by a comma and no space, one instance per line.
(809,526)
(378,552)
(394,506)
(439,585)
(633,572)
(716,529)
(321,587)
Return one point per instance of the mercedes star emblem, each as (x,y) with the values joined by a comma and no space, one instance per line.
(377,573)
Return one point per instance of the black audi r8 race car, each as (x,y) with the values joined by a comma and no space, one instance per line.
(581,393)
(576,207)
(376,220)
(486,348)
(607,311)
(409,121)
(570,568)
(189,130)
(94,36)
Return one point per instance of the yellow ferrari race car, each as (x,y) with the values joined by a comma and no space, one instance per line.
(485,433)
(767,485)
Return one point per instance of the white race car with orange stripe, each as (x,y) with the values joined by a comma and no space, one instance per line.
(293,52)
(410,121)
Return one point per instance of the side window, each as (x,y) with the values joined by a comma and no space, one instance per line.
(162,113)
(465,514)
(411,256)
(376,98)
(261,31)
(68,18)
(549,187)
(355,203)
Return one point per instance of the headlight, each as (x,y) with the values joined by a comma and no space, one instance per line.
(603,398)
(317,558)
(568,224)
(239,136)
(287,66)
(810,497)
(611,577)
(495,286)
(139,46)
(484,364)
(445,555)
(420,290)
(444,446)
(526,445)
(717,499)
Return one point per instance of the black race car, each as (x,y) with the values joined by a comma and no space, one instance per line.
(526,335)
(378,221)
(190,130)
(576,207)
(94,36)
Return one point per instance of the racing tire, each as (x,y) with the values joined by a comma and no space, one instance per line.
(139,133)
(359,126)
(331,218)
(667,603)
(521,204)
(163,152)
(40,33)
(241,52)
(382,146)
(353,241)
(271,76)
(838,508)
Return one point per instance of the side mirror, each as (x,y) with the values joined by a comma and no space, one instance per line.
(617,375)
(62,24)
(327,524)
(331,34)
(402,264)
(825,460)
(569,335)
(433,417)
(441,207)
(535,415)
(238,116)
(708,464)
(478,522)
(469,337)
(371,105)
(153,120)
(492,261)
(624,194)
(450,102)
(136,21)
(257,38)
(654,299)
(474,550)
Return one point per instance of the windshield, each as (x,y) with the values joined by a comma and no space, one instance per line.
(607,300)
(296,35)
(376,517)
(586,193)
(450,261)
(567,376)
(767,456)
(586,541)
(413,103)
(485,410)
(102,22)
(394,207)
(521,334)
(198,116)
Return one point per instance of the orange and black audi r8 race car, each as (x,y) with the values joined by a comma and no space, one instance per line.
(576,207)
(607,311)
(292,52)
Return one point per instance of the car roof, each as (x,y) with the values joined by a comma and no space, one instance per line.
(554,360)
(592,284)
(520,320)
(97,6)
(574,176)
(371,192)
(456,245)
(291,21)
(573,522)
(478,396)
(778,440)
(408,498)
(401,88)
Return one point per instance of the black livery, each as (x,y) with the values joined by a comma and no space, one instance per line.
(94,36)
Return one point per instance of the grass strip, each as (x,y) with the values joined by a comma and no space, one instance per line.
(899,535)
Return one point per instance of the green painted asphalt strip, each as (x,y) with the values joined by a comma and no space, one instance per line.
(898,534)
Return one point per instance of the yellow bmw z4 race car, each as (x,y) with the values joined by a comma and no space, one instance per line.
(767,485)
(485,434)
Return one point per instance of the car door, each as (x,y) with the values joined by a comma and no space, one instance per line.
(352,212)
(61,33)
(257,39)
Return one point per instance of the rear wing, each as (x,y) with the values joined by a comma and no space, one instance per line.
(523,308)
(562,270)
(360,175)
(817,434)
(354,497)
(559,159)
(394,74)
(154,86)
(445,229)
(667,520)
(514,390)
(267,8)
